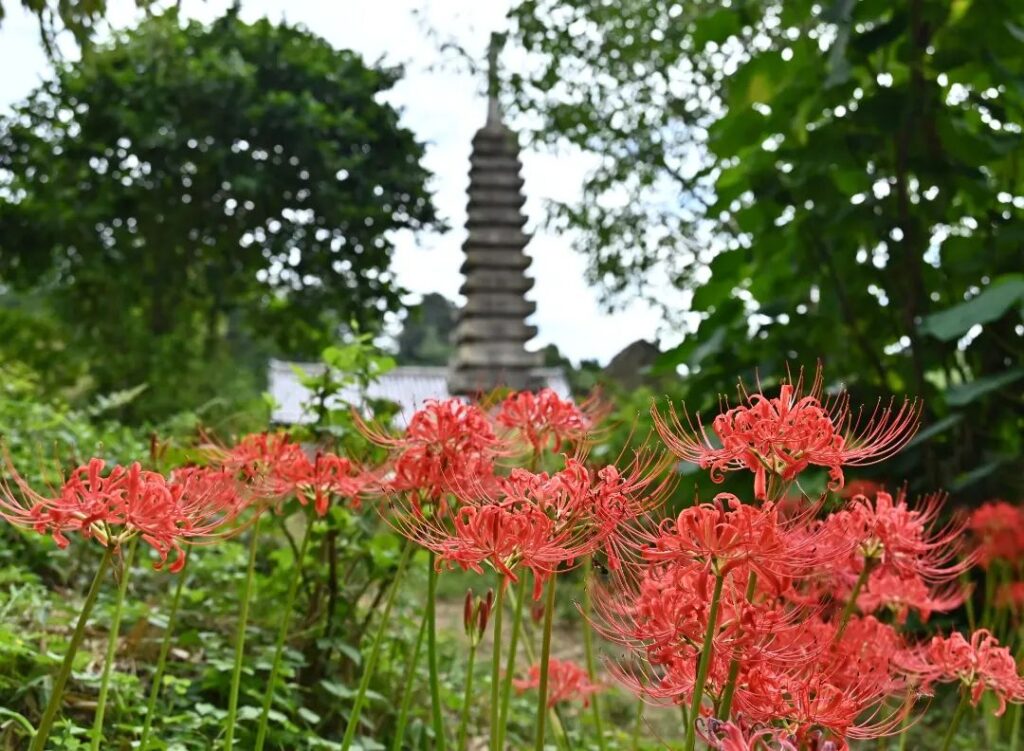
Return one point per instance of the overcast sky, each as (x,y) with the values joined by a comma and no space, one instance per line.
(444,106)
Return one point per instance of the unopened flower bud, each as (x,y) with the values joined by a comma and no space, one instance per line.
(467,612)
(484,613)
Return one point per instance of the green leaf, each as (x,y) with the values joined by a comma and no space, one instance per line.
(337,690)
(980,473)
(965,393)
(716,27)
(309,715)
(936,428)
(988,306)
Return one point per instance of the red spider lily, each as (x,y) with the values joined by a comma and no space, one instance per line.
(620,501)
(662,618)
(128,501)
(567,681)
(861,487)
(902,593)
(256,456)
(979,664)
(275,467)
(530,521)
(900,540)
(734,736)
(782,436)
(998,528)
(545,420)
(533,521)
(318,480)
(725,534)
(446,442)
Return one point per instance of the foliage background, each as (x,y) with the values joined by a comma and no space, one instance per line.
(837,181)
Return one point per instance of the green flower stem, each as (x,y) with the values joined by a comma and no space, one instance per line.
(588,649)
(243,621)
(965,584)
(467,697)
(510,659)
(435,682)
(955,722)
(499,610)
(558,723)
(851,604)
(990,595)
(282,632)
(634,744)
(1015,731)
(378,640)
(532,659)
(545,658)
(704,664)
(410,678)
(161,664)
(57,694)
(734,667)
(108,662)
(904,733)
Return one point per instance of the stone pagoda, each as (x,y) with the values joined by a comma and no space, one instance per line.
(492,332)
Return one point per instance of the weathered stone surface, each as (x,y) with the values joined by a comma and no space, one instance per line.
(501,237)
(497,305)
(488,179)
(495,139)
(490,216)
(495,354)
(486,279)
(484,380)
(495,197)
(495,258)
(479,163)
(494,329)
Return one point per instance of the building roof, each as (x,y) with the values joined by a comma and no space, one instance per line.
(408,386)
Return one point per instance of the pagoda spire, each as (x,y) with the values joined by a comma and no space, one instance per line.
(491,332)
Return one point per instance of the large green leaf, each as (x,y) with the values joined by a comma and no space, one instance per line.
(966,393)
(990,305)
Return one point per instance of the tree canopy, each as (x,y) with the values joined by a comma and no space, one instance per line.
(837,180)
(186,188)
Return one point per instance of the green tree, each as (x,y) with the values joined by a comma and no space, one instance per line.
(79,17)
(837,180)
(425,338)
(187,190)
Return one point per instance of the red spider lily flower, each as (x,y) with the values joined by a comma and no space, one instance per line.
(256,456)
(901,540)
(727,533)
(318,480)
(545,420)
(445,443)
(781,436)
(734,736)
(529,521)
(861,487)
(902,593)
(619,503)
(661,616)
(567,681)
(980,665)
(998,529)
(127,501)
